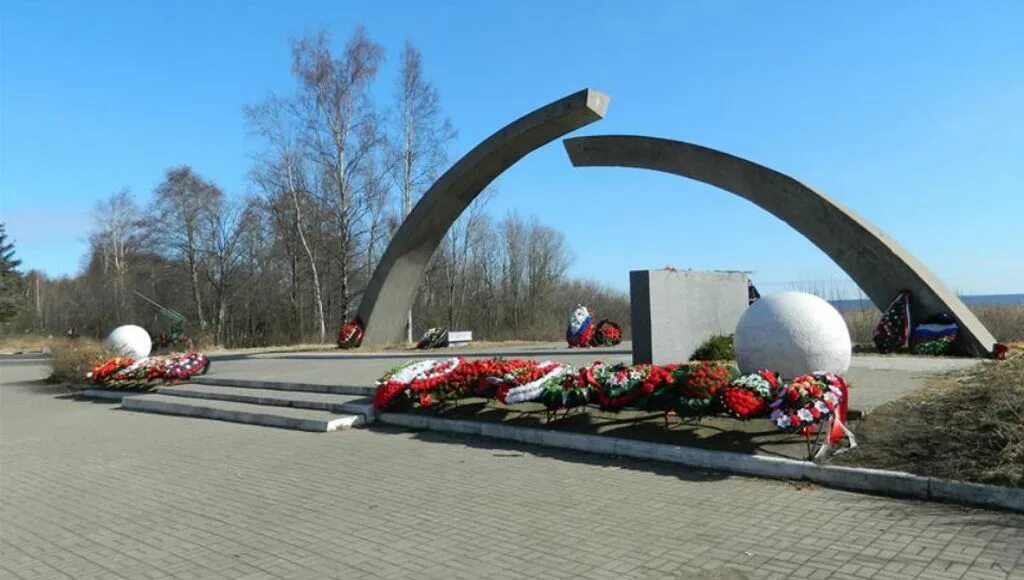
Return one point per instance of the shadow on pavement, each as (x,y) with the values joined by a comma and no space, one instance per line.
(513,450)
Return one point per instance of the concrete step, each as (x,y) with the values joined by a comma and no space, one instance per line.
(274,397)
(214,381)
(284,417)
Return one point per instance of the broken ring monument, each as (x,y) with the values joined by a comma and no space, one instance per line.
(876,262)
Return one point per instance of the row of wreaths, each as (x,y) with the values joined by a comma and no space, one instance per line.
(146,373)
(582,332)
(687,390)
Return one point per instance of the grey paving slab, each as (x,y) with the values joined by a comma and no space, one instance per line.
(274,397)
(90,491)
(253,414)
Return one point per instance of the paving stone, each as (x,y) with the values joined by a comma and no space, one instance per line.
(88,490)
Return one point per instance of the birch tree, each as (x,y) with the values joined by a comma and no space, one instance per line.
(341,127)
(283,170)
(424,134)
(116,237)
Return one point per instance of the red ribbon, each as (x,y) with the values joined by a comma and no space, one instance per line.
(836,435)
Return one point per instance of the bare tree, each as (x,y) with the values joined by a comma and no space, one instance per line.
(376,198)
(116,237)
(342,126)
(547,260)
(425,134)
(464,238)
(284,171)
(334,180)
(181,208)
(227,223)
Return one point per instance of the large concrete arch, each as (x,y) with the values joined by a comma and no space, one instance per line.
(879,265)
(391,291)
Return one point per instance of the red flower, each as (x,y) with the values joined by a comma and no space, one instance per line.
(742,403)
(386,394)
(426,400)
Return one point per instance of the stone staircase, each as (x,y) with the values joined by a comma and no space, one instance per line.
(305,407)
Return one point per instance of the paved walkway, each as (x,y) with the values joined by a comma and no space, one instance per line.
(874,379)
(88,491)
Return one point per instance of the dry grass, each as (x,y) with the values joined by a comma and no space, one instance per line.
(22,343)
(1006,323)
(968,425)
(861,324)
(72,359)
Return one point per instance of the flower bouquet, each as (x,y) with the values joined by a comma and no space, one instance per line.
(418,378)
(433,338)
(806,401)
(606,333)
(140,375)
(893,330)
(748,396)
(351,334)
(569,391)
(620,385)
(528,383)
(699,386)
(103,371)
(491,373)
(182,367)
(581,327)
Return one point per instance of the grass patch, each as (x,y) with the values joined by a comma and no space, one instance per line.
(72,359)
(967,425)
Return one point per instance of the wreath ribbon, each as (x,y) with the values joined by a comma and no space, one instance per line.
(838,428)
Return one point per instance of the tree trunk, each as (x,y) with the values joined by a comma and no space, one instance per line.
(312,266)
(194,274)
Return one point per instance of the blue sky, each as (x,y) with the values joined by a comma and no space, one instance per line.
(908,113)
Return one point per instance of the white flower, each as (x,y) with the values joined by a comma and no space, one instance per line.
(805,415)
(782,421)
(533,390)
(822,407)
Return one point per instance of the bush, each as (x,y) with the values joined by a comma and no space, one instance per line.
(718,347)
(72,359)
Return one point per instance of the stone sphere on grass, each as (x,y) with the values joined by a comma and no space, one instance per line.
(130,340)
(792,333)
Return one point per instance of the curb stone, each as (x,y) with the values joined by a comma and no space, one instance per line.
(859,479)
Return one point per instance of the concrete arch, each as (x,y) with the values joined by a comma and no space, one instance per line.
(391,291)
(879,265)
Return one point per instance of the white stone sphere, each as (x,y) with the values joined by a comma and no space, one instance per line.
(792,333)
(130,340)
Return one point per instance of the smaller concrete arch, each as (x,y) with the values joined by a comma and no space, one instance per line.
(876,262)
(391,290)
